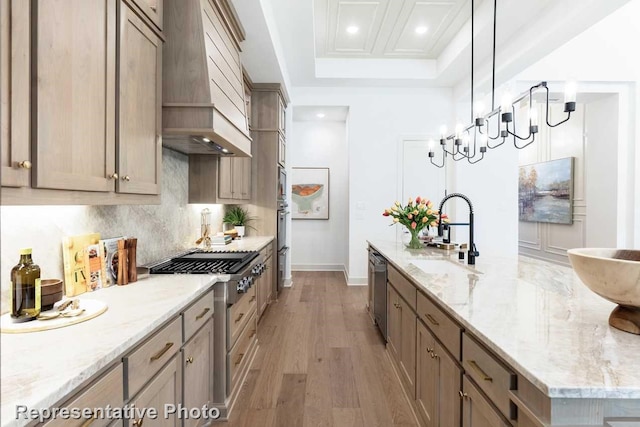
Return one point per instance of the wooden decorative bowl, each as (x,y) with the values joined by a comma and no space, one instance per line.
(614,274)
(52,292)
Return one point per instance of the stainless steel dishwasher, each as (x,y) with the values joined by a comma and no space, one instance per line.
(378,272)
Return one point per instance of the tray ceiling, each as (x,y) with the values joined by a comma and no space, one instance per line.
(387,28)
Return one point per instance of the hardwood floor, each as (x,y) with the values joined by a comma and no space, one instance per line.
(321,362)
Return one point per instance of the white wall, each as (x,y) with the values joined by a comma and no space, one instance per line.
(601,119)
(322,244)
(378,119)
(161,229)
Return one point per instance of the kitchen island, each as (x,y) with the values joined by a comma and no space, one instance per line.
(529,343)
(43,369)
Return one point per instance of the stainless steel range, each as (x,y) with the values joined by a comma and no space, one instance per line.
(242,266)
(234,309)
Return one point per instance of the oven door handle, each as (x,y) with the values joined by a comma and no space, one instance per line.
(284,213)
(284,250)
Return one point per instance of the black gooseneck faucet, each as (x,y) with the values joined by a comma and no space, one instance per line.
(472,253)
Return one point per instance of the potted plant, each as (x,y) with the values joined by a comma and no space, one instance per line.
(239,218)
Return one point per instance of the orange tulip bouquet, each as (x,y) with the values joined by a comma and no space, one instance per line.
(416,215)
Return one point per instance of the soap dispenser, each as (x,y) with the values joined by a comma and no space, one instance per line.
(445,234)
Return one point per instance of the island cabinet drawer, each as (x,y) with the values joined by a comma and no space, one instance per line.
(240,353)
(105,391)
(491,375)
(197,315)
(239,314)
(148,358)
(443,327)
(405,288)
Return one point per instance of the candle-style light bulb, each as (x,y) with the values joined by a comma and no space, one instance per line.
(466,139)
(506,107)
(458,130)
(570,97)
(533,113)
(570,92)
(483,143)
(443,132)
(479,109)
(431,144)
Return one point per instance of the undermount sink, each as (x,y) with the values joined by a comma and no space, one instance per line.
(439,266)
(614,274)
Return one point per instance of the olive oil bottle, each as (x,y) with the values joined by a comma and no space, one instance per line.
(25,288)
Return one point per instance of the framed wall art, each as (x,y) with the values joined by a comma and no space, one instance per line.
(545,192)
(310,193)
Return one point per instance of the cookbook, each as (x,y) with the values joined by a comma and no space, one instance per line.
(110,257)
(84,269)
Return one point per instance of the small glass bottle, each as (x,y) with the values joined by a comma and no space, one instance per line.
(25,288)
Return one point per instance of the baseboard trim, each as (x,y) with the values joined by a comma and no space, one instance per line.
(357,281)
(317,267)
(288,283)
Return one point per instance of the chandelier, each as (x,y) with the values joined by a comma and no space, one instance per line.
(471,142)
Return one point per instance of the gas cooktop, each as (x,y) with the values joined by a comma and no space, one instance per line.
(202,262)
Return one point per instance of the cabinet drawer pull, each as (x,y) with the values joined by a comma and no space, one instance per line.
(189,360)
(25,164)
(253,333)
(239,317)
(429,350)
(113,176)
(154,8)
(126,178)
(432,320)
(201,315)
(138,423)
(241,355)
(479,370)
(463,395)
(161,352)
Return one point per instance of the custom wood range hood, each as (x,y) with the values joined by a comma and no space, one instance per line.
(204,109)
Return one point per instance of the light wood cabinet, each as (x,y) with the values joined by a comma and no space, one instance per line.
(73,104)
(197,363)
(15,157)
(164,389)
(265,287)
(81,103)
(234,178)
(438,382)
(107,390)
(282,151)
(282,116)
(139,106)
(477,411)
(152,9)
(401,327)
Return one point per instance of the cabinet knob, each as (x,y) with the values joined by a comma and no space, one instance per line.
(462,394)
(126,178)
(25,164)
(113,176)
(189,360)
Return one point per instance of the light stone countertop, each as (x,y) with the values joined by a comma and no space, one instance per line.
(536,315)
(39,369)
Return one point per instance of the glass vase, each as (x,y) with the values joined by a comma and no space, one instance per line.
(415,242)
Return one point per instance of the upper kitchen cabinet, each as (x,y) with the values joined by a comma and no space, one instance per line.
(140,97)
(204,110)
(81,102)
(73,99)
(14,79)
(152,9)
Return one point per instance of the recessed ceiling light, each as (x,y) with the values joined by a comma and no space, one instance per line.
(320,115)
(352,29)
(421,29)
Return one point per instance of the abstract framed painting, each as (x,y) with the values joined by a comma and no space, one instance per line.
(545,192)
(310,193)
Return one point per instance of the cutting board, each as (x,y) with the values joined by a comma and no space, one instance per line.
(93,308)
